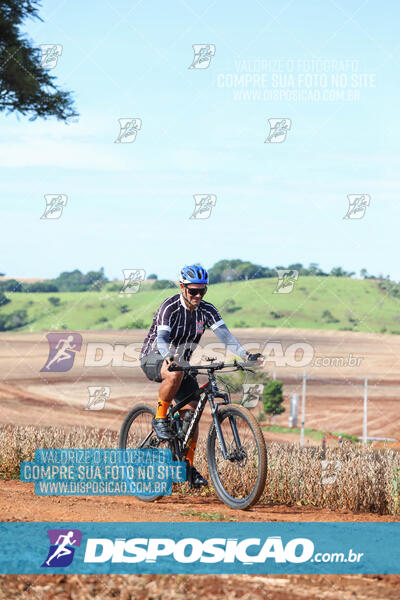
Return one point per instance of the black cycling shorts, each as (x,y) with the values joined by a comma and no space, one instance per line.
(151,366)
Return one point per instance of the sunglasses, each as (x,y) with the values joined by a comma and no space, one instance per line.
(195,292)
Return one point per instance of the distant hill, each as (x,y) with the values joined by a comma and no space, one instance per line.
(331,303)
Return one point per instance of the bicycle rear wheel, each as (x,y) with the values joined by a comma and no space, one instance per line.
(137,432)
(239,479)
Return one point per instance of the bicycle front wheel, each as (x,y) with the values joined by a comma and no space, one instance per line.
(137,433)
(239,479)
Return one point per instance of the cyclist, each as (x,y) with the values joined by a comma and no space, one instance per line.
(176,330)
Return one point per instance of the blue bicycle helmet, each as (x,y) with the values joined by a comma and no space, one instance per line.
(193,274)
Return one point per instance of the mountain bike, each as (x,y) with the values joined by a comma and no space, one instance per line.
(236,450)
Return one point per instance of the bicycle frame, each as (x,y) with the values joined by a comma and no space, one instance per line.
(209,392)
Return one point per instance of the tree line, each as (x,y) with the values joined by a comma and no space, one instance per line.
(236,270)
(72,281)
(223,271)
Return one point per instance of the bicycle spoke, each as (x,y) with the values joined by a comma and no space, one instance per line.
(239,474)
(141,435)
(137,432)
(240,477)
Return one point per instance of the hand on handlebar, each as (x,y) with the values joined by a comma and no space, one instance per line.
(172,360)
(256,360)
(176,362)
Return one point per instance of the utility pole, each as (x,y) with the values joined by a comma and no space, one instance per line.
(303,408)
(294,410)
(365,416)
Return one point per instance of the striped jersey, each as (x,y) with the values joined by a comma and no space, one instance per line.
(185,328)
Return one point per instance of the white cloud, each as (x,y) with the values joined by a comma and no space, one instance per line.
(67,154)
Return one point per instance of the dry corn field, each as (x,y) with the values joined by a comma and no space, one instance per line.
(351,478)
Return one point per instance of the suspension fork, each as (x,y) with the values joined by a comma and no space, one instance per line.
(215,393)
(235,432)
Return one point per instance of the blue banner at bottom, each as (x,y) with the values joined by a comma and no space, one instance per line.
(210,548)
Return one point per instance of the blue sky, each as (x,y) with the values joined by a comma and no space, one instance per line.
(277,203)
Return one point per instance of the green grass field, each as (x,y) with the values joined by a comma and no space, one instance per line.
(314,434)
(355,305)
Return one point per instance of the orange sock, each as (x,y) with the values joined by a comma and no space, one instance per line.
(162,408)
(190,452)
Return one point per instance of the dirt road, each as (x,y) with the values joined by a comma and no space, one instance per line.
(19,503)
(217,587)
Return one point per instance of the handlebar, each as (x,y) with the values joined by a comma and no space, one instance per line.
(213,367)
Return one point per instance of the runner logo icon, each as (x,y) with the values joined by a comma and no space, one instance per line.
(61,551)
(97,397)
(128,129)
(278,129)
(203,205)
(55,204)
(252,393)
(358,204)
(286,280)
(62,351)
(203,54)
(132,280)
(50,55)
